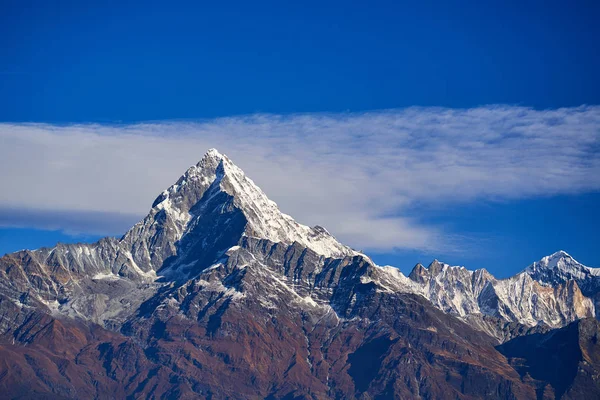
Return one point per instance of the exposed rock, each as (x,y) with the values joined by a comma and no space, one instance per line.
(563,363)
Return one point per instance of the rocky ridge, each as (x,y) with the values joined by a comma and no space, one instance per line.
(520,298)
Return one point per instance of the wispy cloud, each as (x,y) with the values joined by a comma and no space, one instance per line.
(355,173)
(71,222)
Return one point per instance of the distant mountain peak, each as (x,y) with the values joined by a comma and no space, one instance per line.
(560,267)
(554,258)
(558,260)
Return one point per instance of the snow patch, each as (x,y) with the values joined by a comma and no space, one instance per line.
(108,276)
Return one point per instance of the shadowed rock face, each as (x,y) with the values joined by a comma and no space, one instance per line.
(216,294)
(563,363)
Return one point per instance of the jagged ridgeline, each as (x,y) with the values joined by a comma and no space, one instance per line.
(217,294)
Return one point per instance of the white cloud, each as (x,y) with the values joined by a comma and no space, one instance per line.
(353,173)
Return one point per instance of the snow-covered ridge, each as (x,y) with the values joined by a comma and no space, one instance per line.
(471,295)
(266,221)
(520,298)
(562,263)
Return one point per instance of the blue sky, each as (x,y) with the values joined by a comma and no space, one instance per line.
(324,65)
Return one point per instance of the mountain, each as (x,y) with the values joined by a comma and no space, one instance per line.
(217,294)
(521,299)
(560,268)
(209,209)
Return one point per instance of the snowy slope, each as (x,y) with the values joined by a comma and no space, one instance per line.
(561,267)
(519,298)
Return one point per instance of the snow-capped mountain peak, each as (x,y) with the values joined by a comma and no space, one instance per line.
(560,264)
(215,201)
(561,269)
(559,259)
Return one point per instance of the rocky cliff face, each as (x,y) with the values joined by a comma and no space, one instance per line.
(217,294)
(563,363)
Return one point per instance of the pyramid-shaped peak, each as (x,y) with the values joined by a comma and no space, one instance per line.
(217,177)
(560,260)
(560,267)
(435,267)
(213,153)
(559,254)
(215,163)
(211,159)
(554,259)
(419,273)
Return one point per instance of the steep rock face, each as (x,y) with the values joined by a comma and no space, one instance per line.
(452,289)
(561,267)
(522,299)
(98,282)
(563,363)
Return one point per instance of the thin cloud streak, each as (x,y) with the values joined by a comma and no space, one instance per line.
(356,173)
(73,223)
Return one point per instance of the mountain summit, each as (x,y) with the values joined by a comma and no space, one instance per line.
(215,201)
(561,263)
(560,268)
(217,294)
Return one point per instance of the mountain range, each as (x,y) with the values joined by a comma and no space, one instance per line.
(217,294)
